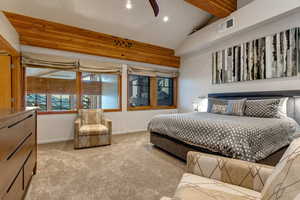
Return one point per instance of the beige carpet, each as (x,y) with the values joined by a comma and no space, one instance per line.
(130,169)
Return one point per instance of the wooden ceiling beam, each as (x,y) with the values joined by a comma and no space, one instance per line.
(218,8)
(42,33)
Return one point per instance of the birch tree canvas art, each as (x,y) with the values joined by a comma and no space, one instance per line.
(274,56)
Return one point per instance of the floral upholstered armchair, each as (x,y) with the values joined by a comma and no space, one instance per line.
(92,129)
(216,178)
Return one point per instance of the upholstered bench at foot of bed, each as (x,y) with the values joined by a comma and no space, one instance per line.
(212,177)
(193,187)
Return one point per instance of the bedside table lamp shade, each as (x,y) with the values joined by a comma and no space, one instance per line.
(200,104)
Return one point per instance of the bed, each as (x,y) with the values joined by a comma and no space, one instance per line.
(252,139)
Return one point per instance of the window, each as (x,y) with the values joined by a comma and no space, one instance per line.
(51,89)
(165,91)
(100,91)
(146,92)
(56,90)
(39,100)
(139,91)
(61,102)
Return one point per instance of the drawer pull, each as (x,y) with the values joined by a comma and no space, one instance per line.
(7,191)
(28,156)
(19,147)
(14,124)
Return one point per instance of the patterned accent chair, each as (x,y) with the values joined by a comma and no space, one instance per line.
(92,129)
(212,177)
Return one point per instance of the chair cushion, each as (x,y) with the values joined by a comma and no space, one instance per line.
(284,183)
(193,187)
(90,116)
(95,129)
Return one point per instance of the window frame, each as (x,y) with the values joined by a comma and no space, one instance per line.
(80,92)
(78,95)
(153,96)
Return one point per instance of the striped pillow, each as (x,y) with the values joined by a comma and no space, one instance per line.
(236,107)
(227,107)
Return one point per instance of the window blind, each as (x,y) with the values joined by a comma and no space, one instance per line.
(152,72)
(48,61)
(99,67)
(64,63)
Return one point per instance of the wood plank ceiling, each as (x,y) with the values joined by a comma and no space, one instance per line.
(218,8)
(43,33)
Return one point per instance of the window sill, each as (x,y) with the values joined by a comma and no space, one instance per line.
(113,110)
(57,112)
(151,108)
(74,112)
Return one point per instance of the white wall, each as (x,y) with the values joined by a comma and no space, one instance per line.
(8,32)
(242,3)
(60,127)
(195,71)
(256,14)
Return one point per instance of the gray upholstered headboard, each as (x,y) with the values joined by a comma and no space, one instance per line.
(293,105)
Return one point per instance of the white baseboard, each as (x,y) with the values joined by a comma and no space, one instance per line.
(125,132)
(67,139)
(54,140)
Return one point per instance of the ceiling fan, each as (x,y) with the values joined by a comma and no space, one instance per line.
(155,7)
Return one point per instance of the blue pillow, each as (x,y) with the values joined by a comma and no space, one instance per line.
(227,107)
(236,107)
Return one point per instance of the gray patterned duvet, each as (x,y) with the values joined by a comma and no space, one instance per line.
(246,138)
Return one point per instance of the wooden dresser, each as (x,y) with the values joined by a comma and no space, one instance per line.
(18,152)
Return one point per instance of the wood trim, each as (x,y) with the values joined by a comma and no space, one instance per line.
(74,112)
(175,92)
(18,83)
(57,112)
(79,89)
(113,110)
(6,47)
(47,34)
(5,82)
(218,8)
(120,95)
(153,92)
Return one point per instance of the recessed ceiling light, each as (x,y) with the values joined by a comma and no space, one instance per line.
(129,5)
(166,18)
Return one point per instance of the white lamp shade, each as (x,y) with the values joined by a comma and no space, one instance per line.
(200,104)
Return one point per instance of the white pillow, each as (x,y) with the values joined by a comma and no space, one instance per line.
(282,108)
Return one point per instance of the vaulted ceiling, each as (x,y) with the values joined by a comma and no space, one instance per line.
(112,17)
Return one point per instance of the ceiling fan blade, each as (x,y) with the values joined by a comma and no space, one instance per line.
(155,7)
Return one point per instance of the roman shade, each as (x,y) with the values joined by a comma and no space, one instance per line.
(39,85)
(153,72)
(99,67)
(49,61)
(64,63)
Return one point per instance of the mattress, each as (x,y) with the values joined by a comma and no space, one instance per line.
(246,138)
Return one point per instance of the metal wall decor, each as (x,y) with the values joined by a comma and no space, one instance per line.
(123,43)
(269,57)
